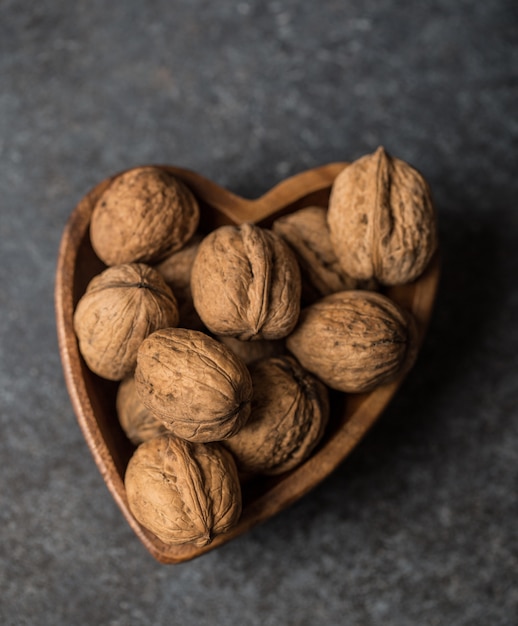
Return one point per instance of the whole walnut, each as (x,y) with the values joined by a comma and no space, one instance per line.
(354,341)
(381,220)
(176,270)
(251,351)
(290,410)
(183,492)
(136,421)
(121,306)
(307,233)
(245,283)
(144,215)
(194,384)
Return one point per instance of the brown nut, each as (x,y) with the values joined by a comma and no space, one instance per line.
(195,385)
(251,351)
(246,283)
(121,306)
(144,215)
(183,492)
(381,220)
(176,270)
(136,421)
(307,234)
(354,341)
(290,409)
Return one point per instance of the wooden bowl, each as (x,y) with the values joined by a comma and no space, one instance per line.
(93,398)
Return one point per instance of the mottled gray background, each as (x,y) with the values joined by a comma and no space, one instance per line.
(420,525)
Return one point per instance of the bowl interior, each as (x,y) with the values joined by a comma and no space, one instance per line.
(93,398)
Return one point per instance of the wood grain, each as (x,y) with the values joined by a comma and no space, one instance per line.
(93,398)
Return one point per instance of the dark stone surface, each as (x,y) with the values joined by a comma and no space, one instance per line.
(420,525)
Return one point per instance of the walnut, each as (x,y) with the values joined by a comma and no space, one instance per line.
(381,220)
(136,421)
(183,492)
(251,351)
(246,283)
(307,234)
(176,270)
(195,385)
(144,215)
(121,306)
(354,340)
(290,409)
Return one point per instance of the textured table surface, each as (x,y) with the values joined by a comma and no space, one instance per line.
(420,524)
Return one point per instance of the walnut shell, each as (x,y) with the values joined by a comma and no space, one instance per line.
(381,220)
(354,341)
(121,306)
(246,283)
(176,270)
(251,351)
(290,409)
(307,233)
(183,492)
(144,215)
(195,385)
(136,421)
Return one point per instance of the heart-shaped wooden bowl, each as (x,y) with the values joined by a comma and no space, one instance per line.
(93,398)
